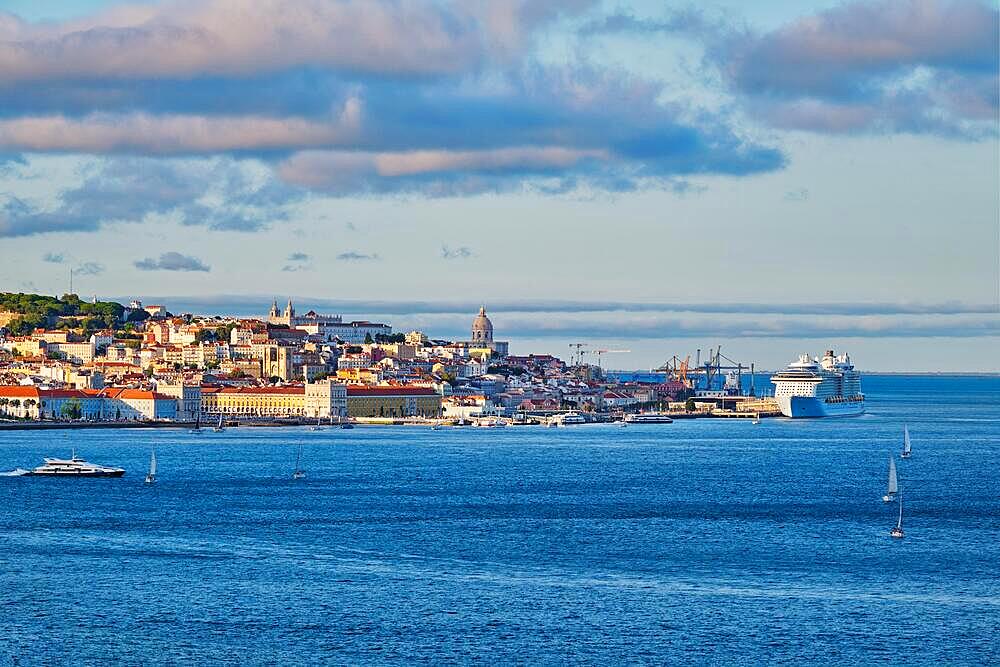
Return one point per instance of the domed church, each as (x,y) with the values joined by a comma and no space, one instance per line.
(482,335)
(482,328)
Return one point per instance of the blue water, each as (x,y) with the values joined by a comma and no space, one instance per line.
(696,542)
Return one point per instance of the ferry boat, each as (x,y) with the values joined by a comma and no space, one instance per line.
(648,418)
(569,419)
(827,387)
(73,467)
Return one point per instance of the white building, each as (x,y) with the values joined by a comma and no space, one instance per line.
(326,399)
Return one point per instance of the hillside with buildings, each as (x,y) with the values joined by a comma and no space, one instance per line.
(63,359)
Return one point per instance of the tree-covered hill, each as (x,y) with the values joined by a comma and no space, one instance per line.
(39,310)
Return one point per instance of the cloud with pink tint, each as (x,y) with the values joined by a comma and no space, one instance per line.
(186,38)
(915,66)
(175,134)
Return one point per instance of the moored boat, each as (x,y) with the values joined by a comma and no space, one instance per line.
(827,387)
(649,418)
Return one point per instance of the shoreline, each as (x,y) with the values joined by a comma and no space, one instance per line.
(374,421)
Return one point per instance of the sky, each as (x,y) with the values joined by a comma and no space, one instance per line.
(767,176)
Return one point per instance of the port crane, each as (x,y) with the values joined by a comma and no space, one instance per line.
(711,370)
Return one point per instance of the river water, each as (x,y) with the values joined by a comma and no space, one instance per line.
(708,541)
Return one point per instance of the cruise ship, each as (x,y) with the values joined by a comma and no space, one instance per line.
(827,387)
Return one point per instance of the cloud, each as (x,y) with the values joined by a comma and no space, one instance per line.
(916,66)
(249,304)
(172,261)
(53,258)
(885,66)
(89,269)
(178,39)
(298,261)
(360,97)
(221,195)
(574,320)
(461,252)
(352,256)
(145,133)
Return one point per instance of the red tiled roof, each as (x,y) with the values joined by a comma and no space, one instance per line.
(18,391)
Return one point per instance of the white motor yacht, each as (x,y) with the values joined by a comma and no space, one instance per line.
(73,467)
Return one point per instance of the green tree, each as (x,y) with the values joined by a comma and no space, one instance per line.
(689,405)
(72,409)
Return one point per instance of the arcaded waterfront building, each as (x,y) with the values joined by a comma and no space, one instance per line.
(321,399)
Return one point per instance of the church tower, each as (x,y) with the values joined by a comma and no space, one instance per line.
(289,313)
(482,328)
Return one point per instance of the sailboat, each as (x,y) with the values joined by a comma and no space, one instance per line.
(318,426)
(221,426)
(890,493)
(897,531)
(197,423)
(906,443)
(151,475)
(299,472)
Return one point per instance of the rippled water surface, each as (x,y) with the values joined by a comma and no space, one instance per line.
(695,542)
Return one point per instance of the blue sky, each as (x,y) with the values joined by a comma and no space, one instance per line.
(596,170)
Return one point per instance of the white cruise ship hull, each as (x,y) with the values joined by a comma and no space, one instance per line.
(810,406)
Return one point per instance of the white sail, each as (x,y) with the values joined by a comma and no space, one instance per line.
(152,464)
(892,476)
(906,440)
(899,523)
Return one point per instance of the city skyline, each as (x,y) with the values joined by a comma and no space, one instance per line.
(550,160)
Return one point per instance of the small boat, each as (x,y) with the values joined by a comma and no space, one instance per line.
(151,475)
(221,426)
(897,530)
(756,420)
(299,473)
(622,424)
(906,443)
(73,467)
(892,486)
(318,426)
(346,424)
(435,427)
(197,423)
